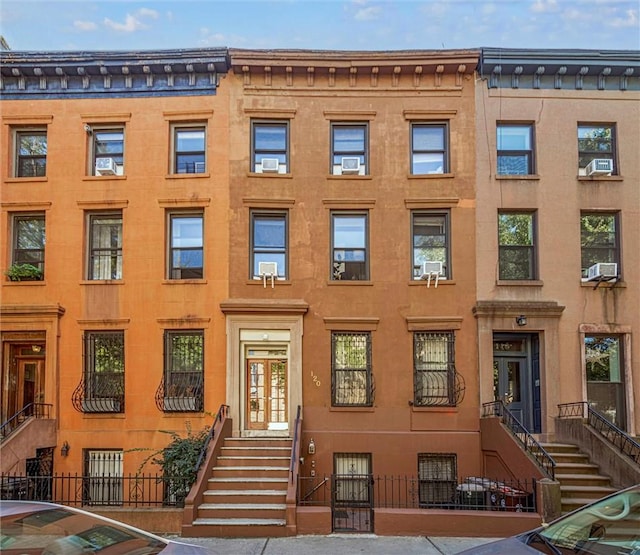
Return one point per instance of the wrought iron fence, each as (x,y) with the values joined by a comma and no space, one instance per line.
(133,490)
(32,410)
(605,428)
(528,442)
(411,492)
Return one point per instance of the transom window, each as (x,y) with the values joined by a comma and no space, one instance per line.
(29,241)
(270,146)
(184,371)
(31,153)
(516,245)
(596,141)
(438,478)
(351,377)
(186,246)
(599,240)
(429,148)
(349,233)
(269,239)
(430,237)
(108,152)
(105,246)
(189,149)
(349,149)
(515,149)
(434,369)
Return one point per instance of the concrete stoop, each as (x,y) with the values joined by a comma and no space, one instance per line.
(580,480)
(247,491)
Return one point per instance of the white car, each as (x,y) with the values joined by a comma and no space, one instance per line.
(610,526)
(37,528)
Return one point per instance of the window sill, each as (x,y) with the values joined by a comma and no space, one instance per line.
(421,408)
(187,175)
(600,178)
(431,176)
(518,177)
(607,284)
(42,179)
(361,282)
(352,409)
(104,178)
(350,177)
(272,175)
(184,282)
(424,282)
(520,282)
(25,282)
(102,282)
(275,282)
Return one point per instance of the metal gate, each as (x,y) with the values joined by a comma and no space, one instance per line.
(352,493)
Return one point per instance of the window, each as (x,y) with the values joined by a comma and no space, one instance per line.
(349,149)
(104,371)
(354,484)
(184,371)
(269,236)
(429,148)
(430,237)
(434,371)
(516,245)
(270,146)
(28,241)
(349,249)
(186,246)
(104,471)
(189,149)
(105,246)
(108,152)
(605,377)
(438,478)
(351,377)
(515,149)
(596,141)
(598,240)
(31,153)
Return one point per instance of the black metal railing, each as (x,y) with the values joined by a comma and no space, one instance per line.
(222,413)
(32,410)
(438,388)
(99,392)
(294,443)
(181,392)
(530,445)
(411,492)
(605,428)
(133,490)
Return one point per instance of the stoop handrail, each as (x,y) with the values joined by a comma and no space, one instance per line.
(605,428)
(32,410)
(543,459)
(223,411)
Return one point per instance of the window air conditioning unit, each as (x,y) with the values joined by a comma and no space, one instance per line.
(106,166)
(430,268)
(600,166)
(350,165)
(269,269)
(270,165)
(602,271)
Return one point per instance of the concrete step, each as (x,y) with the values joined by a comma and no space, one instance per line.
(570,458)
(244,442)
(560,448)
(242,483)
(242,496)
(251,471)
(240,527)
(583,480)
(255,451)
(577,468)
(242,510)
(252,460)
(585,492)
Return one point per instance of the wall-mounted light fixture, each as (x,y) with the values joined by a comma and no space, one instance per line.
(64,450)
(521,320)
(36,348)
(312,447)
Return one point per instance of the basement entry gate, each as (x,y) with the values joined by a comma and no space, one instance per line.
(352,493)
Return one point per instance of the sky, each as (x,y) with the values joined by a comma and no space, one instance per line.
(85,25)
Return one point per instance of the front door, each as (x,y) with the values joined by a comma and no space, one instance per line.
(508,384)
(266,394)
(25,385)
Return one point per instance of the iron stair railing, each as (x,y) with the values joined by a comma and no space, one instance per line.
(32,410)
(605,428)
(543,459)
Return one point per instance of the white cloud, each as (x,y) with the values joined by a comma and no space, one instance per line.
(543,6)
(146,12)
(85,25)
(631,20)
(488,9)
(130,24)
(367,14)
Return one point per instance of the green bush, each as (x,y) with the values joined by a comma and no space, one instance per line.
(24,272)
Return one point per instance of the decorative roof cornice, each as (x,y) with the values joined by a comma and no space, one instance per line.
(307,68)
(116,73)
(560,69)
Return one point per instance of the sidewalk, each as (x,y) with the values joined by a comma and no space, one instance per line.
(337,544)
